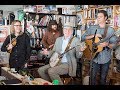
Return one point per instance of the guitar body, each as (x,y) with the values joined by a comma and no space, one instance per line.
(98,48)
(87,52)
(91,50)
(54,60)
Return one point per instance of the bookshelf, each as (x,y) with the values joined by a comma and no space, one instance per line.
(116,17)
(36,23)
(89,14)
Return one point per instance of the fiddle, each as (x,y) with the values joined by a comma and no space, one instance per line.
(13,42)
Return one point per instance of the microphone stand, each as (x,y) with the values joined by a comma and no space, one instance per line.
(91,61)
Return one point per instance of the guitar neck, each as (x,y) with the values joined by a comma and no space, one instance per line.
(103,40)
(117,33)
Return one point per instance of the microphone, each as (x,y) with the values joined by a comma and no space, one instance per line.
(94,36)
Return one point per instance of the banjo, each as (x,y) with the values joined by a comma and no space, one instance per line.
(56,57)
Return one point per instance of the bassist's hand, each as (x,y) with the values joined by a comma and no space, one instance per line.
(98,35)
(104,44)
(51,46)
(45,51)
(92,36)
(119,43)
(26,65)
(83,48)
(10,46)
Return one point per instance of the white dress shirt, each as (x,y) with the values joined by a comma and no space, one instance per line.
(64,45)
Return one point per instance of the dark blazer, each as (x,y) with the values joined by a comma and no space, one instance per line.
(20,52)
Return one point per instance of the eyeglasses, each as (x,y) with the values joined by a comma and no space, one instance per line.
(18,25)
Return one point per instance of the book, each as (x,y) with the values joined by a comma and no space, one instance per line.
(79,7)
(79,19)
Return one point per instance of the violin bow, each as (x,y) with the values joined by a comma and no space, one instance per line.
(10,30)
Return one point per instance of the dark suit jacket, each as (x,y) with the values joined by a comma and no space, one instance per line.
(20,52)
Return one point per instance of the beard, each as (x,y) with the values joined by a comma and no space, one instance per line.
(55,28)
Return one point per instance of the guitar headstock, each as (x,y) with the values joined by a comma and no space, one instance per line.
(117,33)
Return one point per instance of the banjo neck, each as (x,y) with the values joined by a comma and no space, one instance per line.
(61,55)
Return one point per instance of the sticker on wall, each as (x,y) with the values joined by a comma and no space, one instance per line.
(21,15)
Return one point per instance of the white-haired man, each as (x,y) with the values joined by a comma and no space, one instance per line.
(68,63)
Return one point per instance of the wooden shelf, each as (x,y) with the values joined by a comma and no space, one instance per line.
(102,7)
(89,18)
(115,11)
(35,13)
(40,26)
(80,11)
(116,28)
(39,13)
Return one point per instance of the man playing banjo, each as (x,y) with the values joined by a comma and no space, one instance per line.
(67,64)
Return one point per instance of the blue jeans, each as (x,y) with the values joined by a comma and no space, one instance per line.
(99,68)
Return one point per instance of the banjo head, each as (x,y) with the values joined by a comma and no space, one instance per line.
(54,59)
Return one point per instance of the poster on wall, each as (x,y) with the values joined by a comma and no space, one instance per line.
(4,31)
(4,56)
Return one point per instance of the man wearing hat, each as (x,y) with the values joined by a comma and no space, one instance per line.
(49,38)
(51,34)
(68,62)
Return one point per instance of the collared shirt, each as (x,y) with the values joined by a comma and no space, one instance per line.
(64,45)
(105,55)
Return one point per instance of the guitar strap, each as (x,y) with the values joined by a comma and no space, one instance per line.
(58,60)
(69,44)
(105,32)
(103,36)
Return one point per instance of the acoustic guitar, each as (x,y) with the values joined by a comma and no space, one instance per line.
(94,48)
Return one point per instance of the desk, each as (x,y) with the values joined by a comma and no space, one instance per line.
(40,81)
(15,76)
(3,65)
(5,71)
